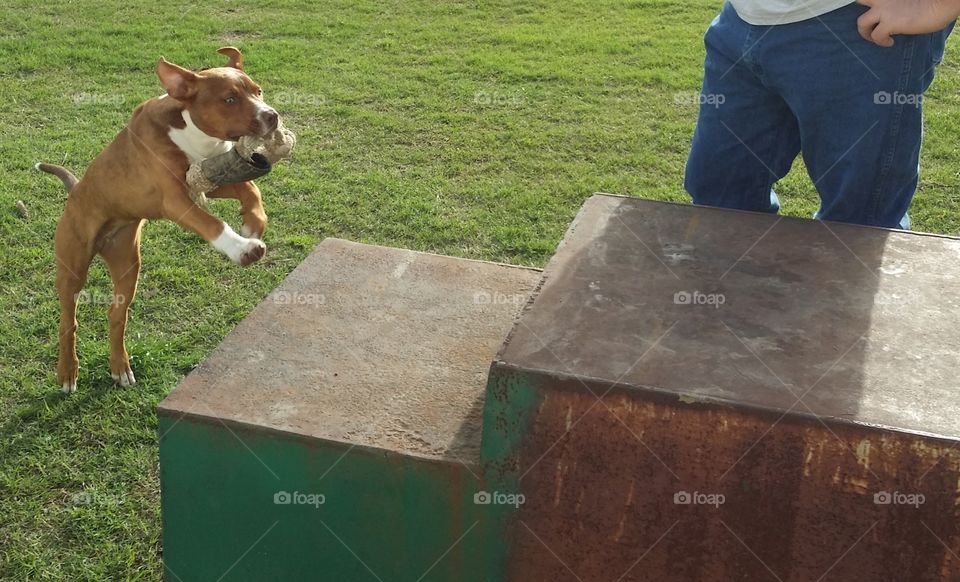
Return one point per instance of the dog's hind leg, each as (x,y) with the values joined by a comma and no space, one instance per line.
(74,255)
(122,255)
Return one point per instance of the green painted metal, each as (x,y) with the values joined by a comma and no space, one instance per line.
(510,407)
(383,517)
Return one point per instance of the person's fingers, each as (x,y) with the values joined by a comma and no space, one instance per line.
(867,22)
(866,2)
(882,35)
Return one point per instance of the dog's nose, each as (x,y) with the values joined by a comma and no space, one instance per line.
(271,119)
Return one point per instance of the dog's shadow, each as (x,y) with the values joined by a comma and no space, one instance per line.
(55,419)
(29,428)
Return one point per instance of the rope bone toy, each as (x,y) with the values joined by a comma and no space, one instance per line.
(251,158)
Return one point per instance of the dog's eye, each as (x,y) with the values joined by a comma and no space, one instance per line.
(230,100)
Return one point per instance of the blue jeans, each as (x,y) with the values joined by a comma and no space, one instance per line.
(853,109)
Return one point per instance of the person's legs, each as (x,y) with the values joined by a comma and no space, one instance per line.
(859,108)
(746,137)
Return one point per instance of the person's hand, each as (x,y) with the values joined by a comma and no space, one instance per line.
(889,17)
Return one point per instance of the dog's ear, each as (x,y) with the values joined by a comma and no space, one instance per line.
(233,53)
(179,82)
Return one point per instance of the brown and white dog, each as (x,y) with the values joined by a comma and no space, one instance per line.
(141,175)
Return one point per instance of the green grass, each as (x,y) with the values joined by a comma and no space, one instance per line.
(469,129)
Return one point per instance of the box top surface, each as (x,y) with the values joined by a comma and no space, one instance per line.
(798,316)
(366,345)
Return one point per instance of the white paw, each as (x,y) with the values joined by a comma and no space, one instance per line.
(124,379)
(69,387)
(241,250)
(252,252)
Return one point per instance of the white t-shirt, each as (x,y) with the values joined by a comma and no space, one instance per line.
(765,12)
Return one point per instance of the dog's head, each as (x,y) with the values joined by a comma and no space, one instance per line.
(223,102)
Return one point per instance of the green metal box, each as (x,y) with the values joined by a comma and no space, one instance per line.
(335,433)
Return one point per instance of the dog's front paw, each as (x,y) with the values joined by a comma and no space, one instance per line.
(122,374)
(241,250)
(67,379)
(252,252)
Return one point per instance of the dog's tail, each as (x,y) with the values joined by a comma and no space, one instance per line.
(65,175)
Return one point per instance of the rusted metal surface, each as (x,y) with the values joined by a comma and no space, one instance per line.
(792,503)
(365,345)
(819,388)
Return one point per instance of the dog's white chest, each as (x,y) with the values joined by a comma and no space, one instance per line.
(196,144)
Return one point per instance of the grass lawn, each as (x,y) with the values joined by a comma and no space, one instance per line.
(469,129)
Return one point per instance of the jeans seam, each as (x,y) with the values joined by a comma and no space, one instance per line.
(777,146)
(893,133)
(750,54)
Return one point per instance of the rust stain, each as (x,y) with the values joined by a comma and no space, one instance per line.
(559,483)
(801,497)
(626,512)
